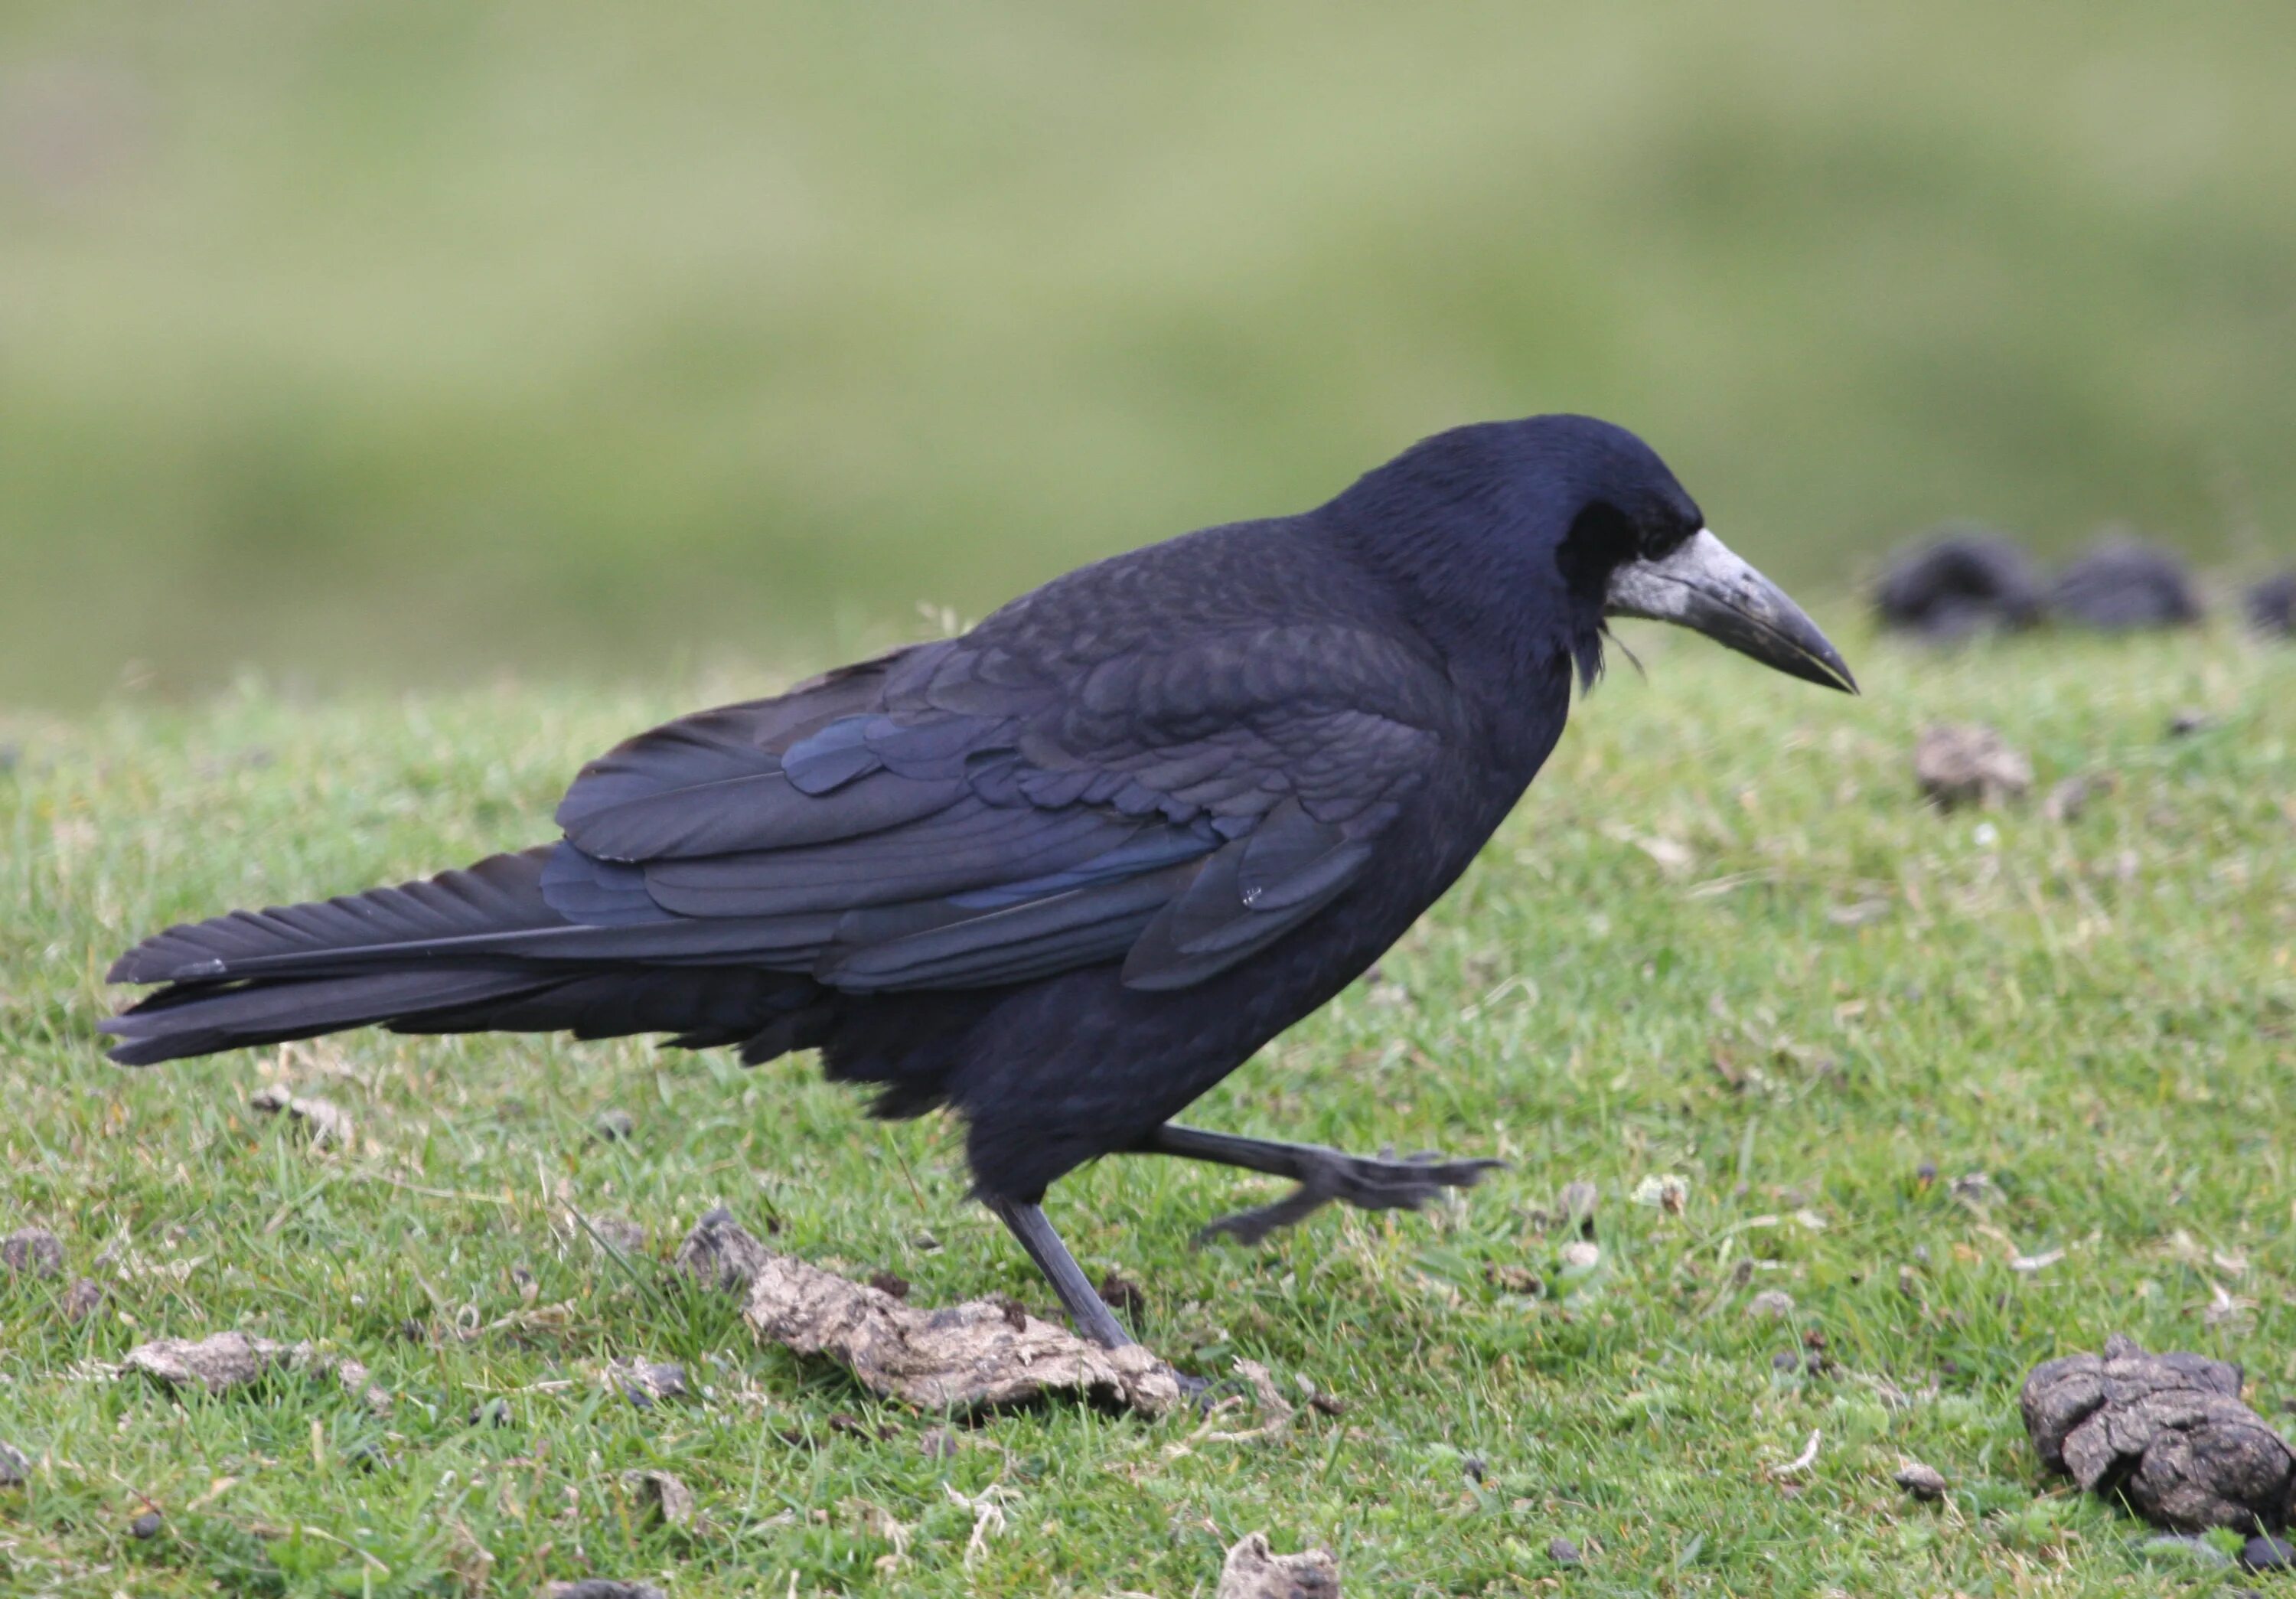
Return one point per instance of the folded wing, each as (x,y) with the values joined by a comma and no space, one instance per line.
(961,815)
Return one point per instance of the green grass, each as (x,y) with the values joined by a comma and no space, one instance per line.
(386,342)
(1647,974)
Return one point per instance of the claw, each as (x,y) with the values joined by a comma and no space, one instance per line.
(1385,1184)
(1249,1226)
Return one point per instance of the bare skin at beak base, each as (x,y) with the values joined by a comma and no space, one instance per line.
(1703,586)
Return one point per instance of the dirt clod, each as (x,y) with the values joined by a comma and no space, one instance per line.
(600,1588)
(1252,1570)
(223,1361)
(2167,1433)
(32,1251)
(720,1253)
(1771,1304)
(1963,763)
(145,1526)
(324,1122)
(892,1283)
(15,1469)
(965,1356)
(940,1444)
(1562,1552)
(1925,1482)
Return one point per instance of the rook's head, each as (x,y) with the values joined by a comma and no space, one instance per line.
(1552,523)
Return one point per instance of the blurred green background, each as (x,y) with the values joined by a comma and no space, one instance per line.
(403,343)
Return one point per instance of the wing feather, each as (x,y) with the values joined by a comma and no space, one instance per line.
(988,810)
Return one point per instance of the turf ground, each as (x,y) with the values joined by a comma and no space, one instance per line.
(1720,941)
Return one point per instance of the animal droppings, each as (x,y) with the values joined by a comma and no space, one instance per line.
(720,1253)
(32,1251)
(2168,1434)
(1925,1482)
(1252,1570)
(323,1121)
(1961,763)
(980,1354)
(222,1362)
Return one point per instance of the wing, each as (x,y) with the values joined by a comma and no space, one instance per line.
(974,813)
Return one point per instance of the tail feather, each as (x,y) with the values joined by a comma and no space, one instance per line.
(502,894)
(180,1022)
(475,950)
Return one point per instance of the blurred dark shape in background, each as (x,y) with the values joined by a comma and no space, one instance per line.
(1960,581)
(404,342)
(2271,605)
(2124,583)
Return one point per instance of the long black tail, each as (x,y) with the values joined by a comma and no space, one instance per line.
(471,951)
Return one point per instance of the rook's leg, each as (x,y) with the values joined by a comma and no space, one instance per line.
(1324,1175)
(1086,1308)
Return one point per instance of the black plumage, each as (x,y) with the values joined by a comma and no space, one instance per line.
(1957,582)
(2123,584)
(2271,605)
(1065,872)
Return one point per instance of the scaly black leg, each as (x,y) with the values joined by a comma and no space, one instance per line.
(1324,1175)
(1086,1308)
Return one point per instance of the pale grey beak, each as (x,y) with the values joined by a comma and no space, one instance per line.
(1704,587)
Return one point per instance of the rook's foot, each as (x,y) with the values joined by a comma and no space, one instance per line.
(1384,1184)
